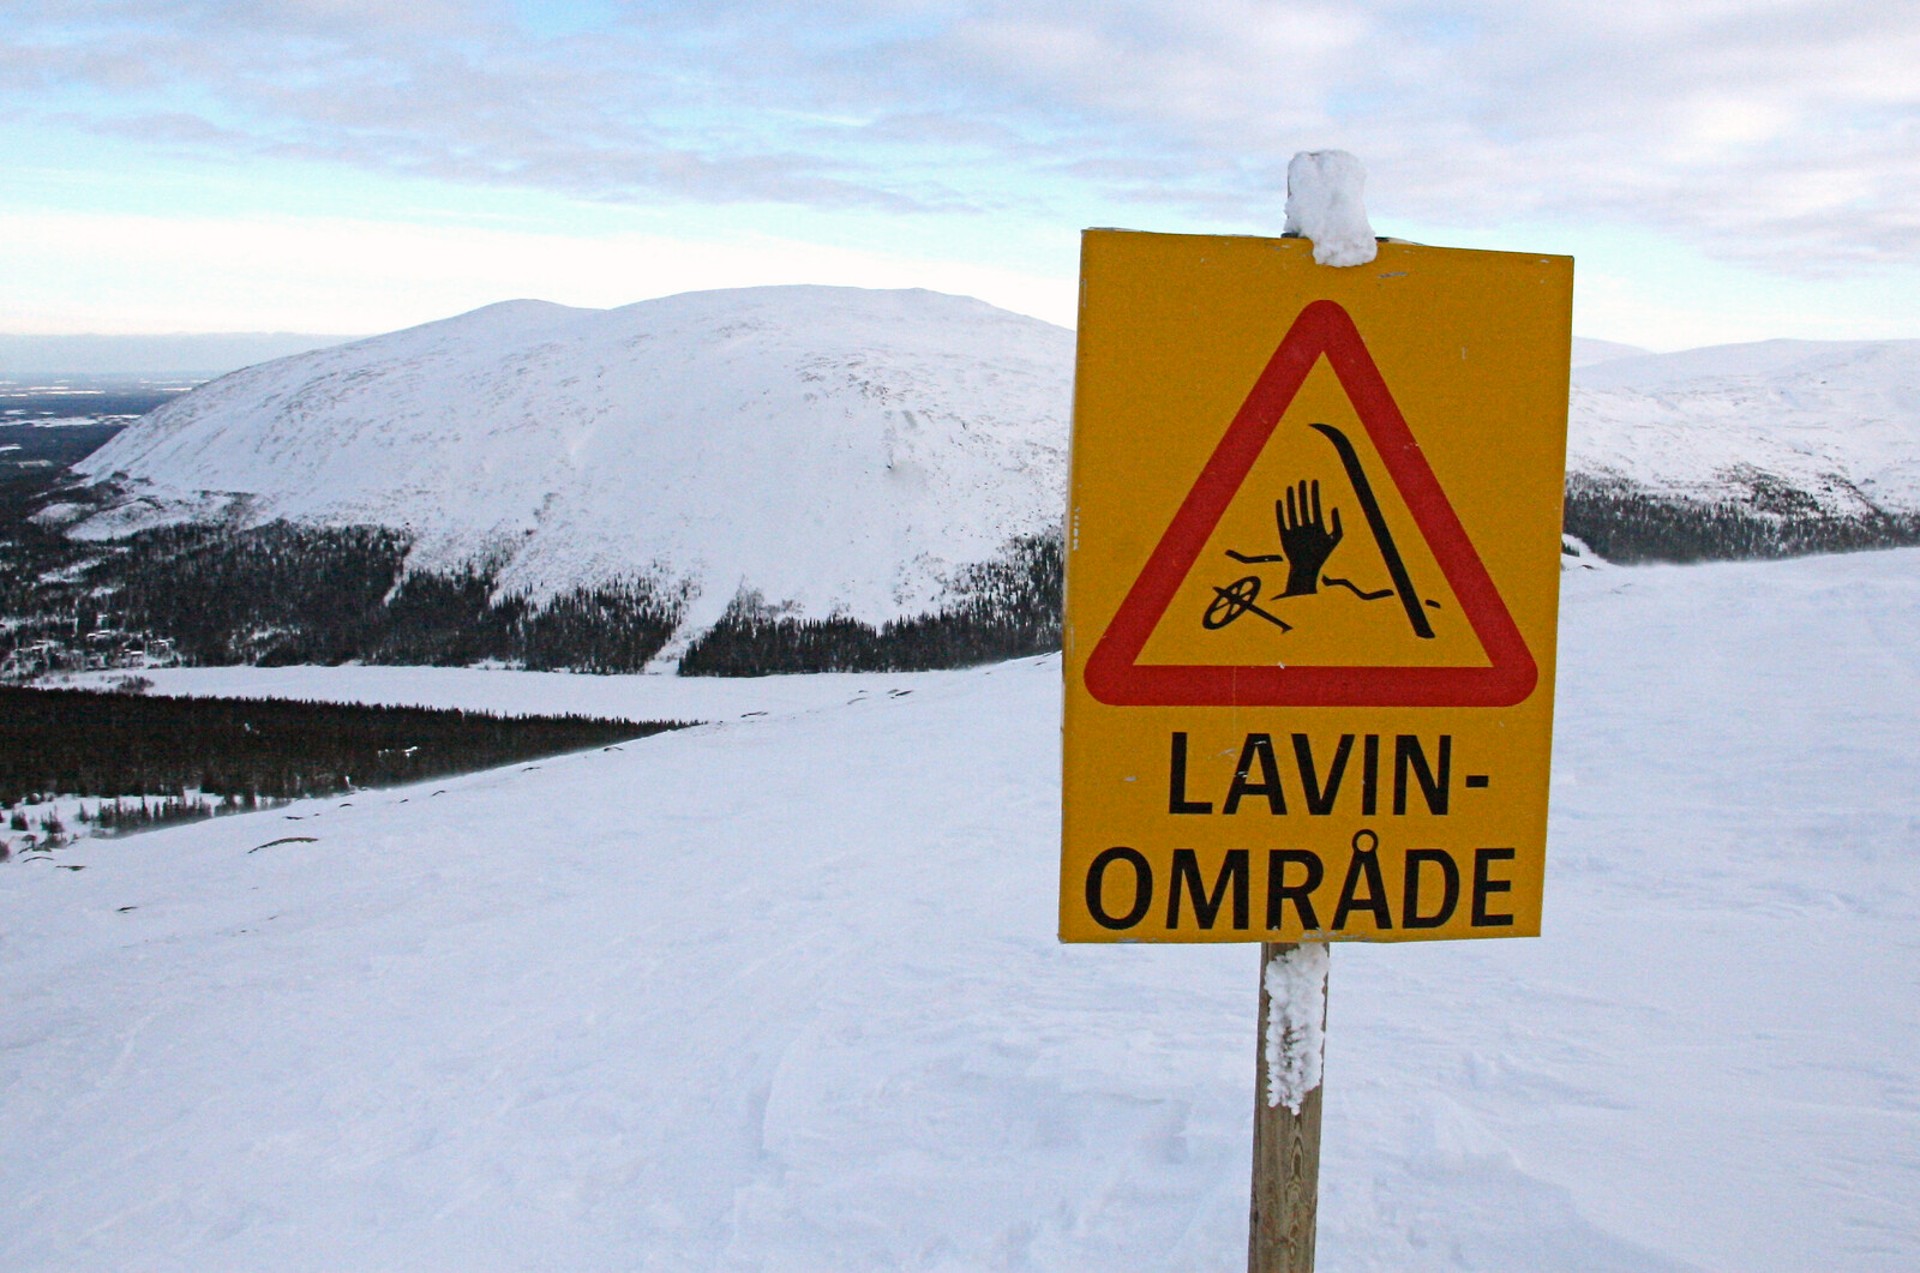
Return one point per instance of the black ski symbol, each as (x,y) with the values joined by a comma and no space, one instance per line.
(1383,537)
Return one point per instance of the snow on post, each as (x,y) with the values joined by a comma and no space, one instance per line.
(1296,984)
(1324,204)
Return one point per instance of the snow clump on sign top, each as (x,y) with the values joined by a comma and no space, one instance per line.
(1325,204)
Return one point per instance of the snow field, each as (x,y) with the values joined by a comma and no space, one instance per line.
(649,697)
(783,993)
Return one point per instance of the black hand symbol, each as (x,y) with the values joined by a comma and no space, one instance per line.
(1304,537)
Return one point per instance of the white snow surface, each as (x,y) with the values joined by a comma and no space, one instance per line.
(1839,420)
(783,993)
(843,450)
(697,698)
(1326,202)
(1295,982)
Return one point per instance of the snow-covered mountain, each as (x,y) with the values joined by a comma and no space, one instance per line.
(833,450)
(1835,421)
(841,453)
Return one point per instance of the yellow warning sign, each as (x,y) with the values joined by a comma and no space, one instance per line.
(1312,584)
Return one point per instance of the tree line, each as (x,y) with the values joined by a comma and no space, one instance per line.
(93,743)
(283,593)
(1007,608)
(1628,524)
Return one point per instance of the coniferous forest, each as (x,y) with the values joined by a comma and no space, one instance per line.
(281,593)
(91,743)
(1629,524)
(1008,608)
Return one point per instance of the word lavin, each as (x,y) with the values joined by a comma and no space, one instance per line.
(1402,759)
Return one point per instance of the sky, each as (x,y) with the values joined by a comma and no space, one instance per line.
(1721,170)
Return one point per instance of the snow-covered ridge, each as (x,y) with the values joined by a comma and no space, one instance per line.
(1587,351)
(833,449)
(1836,420)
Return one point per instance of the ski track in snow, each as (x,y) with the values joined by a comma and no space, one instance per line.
(783,993)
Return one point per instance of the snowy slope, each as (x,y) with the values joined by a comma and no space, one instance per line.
(834,448)
(782,993)
(1838,420)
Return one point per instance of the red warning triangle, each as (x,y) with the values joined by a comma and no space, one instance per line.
(1116,677)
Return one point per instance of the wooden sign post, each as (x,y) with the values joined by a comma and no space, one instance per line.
(1286,1149)
(1312,583)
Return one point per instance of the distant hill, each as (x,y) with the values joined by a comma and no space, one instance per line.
(797,467)
(1587,351)
(1747,450)
(836,451)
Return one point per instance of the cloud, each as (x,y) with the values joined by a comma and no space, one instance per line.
(1781,131)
